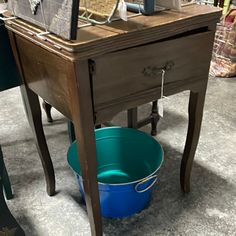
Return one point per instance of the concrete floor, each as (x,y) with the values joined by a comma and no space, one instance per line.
(210,208)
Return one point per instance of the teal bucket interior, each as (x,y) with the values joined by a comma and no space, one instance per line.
(123,155)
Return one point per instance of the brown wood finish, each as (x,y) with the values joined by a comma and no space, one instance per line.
(139,69)
(195,110)
(47,108)
(45,73)
(34,115)
(153,118)
(114,68)
(97,40)
(33,112)
(82,116)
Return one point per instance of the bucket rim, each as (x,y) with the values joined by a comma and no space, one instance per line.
(132,182)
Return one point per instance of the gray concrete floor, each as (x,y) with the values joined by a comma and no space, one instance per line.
(210,208)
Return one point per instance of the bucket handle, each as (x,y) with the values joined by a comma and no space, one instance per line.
(144,181)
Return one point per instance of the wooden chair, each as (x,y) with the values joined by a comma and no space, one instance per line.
(132,119)
(8,224)
(153,118)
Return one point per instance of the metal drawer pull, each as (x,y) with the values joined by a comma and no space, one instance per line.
(151,71)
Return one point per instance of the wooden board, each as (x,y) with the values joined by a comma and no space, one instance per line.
(57,16)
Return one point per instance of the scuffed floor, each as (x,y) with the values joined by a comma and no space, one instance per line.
(210,208)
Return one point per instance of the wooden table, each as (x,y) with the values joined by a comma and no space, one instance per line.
(112,68)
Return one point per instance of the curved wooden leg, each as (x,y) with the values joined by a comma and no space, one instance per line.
(33,112)
(155,118)
(82,115)
(195,109)
(47,108)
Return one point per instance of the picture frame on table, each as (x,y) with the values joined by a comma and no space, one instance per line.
(56,16)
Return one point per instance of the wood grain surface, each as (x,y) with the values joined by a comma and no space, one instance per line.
(97,40)
(138,69)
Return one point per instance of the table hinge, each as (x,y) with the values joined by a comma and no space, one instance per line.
(92,67)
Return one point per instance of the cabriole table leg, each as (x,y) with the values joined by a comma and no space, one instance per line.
(34,115)
(195,110)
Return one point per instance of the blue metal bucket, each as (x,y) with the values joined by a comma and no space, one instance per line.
(127,163)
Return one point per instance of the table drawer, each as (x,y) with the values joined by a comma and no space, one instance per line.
(127,72)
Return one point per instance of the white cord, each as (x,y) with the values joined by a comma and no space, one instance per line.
(43,16)
(162,83)
(13,9)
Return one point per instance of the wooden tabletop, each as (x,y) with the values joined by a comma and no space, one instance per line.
(96,40)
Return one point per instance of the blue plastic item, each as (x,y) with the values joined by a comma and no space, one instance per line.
(147,8)
(127,163)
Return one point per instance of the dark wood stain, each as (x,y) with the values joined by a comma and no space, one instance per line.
(124,74)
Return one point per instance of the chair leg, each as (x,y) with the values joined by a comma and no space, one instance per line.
(155,118)
(47,108)
(8,224)
(6,184)
(71,131)
(132,116)
(5,178)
